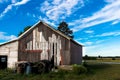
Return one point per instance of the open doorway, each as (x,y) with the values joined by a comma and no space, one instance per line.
(3,62)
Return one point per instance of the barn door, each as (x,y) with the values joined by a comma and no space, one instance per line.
(55,53)
(3,62)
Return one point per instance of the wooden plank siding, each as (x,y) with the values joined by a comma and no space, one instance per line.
(76,52)
(48,43)
(10,50)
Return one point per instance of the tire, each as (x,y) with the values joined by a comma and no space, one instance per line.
(41,67)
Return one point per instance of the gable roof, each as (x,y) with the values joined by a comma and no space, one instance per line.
(50,27)
(35,25)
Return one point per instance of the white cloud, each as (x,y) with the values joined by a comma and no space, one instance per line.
(110,1)
(79,39)
(88,43)
(117,33)
(115,22)
(106,14)
(21,2)
(92,43)
(60,9)
(109,49)
(89,31)
(31,15)
(56,2)
(9,7)
(99,41)
(47,21)
(4,36)
(13,1)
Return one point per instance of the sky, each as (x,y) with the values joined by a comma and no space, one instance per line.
(95,23)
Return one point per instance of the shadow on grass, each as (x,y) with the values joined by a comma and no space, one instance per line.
(117,79)
(98,66)
(94,67)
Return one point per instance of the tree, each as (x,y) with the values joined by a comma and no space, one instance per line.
(20,33)
(99,56)
(25,29)
(63,27)
(86,57)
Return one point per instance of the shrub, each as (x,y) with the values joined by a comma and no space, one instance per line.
(113,58)
(62,71)
(79,69)
(85,64)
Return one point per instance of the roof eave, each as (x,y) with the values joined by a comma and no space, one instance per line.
(77,43)
(29,30)
(9,42)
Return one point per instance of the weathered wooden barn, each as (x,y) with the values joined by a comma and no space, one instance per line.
(41,42)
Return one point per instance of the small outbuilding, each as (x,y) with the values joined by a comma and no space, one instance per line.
(41,42)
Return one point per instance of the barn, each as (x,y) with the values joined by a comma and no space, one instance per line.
(41,42)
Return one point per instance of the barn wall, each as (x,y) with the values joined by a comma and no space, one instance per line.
(57,42)
(42,42)
(11,51)
(65,51)
(76,53)
(27,49)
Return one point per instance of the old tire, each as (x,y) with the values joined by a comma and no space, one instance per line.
(41,67)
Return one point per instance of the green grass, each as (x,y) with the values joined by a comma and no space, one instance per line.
(104,71)
(96,71)
(104,60)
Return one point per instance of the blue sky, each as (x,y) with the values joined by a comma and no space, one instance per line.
(96,23)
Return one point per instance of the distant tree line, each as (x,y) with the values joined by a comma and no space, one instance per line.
(86,57)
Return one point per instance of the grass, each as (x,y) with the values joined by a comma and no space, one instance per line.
(96,71)
(104,71)
(104,60)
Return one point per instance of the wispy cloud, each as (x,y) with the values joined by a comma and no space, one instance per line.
(49,22)
(5,37)
(31,15)
(99,41)
(89,31)
(14,3)
(9,7)
(92,43)
(79,39)
(94,40)
(110,1)
(106,14)
(115,22)
(116,33)
(108,49)
(21,2)
(60,9)
(88,43)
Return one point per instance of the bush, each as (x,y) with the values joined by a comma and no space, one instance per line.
(113,58)
(62,71)
(79,69)
(85,64)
